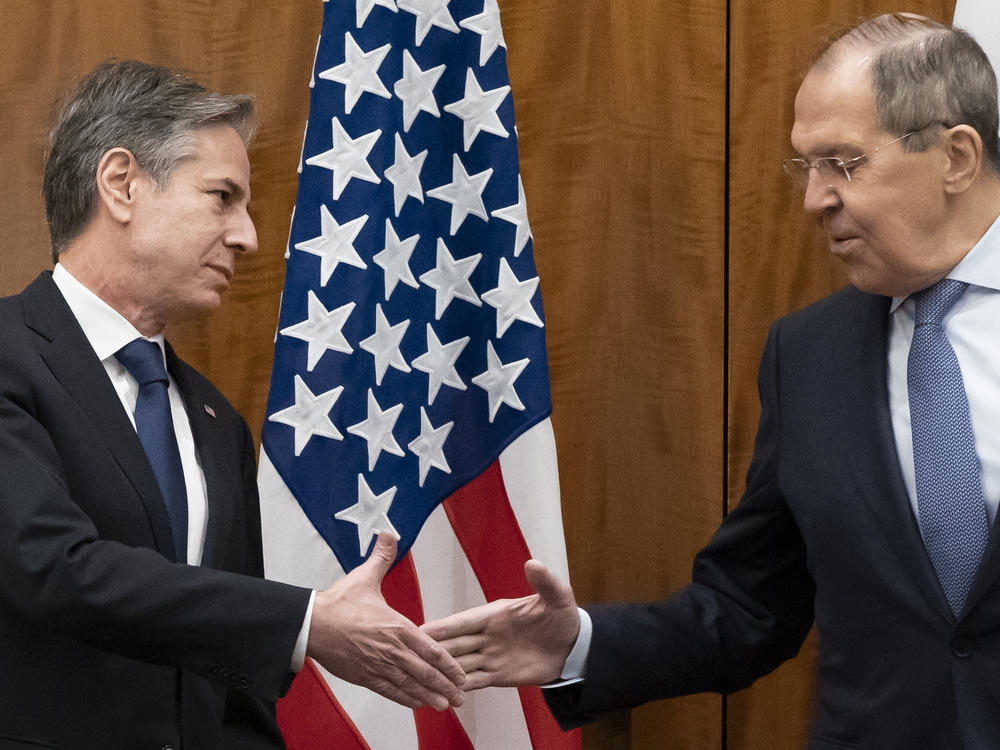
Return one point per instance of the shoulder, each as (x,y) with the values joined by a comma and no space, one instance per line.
(844,314)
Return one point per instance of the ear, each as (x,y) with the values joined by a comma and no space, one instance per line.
(964,150)
(117,175)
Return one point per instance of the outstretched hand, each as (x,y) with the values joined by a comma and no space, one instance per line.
(359,638)
(512,642)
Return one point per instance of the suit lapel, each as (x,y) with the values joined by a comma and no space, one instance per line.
(875,470)
(207,434)
(69,356)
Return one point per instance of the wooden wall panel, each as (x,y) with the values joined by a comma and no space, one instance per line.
(621,114)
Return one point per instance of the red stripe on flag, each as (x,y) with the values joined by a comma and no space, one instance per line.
(311,718)
(401,590)
(488,531)
(436,730)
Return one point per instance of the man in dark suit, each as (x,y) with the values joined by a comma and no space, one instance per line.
(133,611)
(871,497)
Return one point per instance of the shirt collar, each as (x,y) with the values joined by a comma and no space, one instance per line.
(105,328)
(979,267)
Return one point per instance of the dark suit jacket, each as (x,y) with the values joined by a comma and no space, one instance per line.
(824,533)
(104,643)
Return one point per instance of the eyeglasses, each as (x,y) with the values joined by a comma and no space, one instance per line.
(833,171)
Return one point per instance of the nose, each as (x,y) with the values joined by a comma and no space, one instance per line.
(242,233)
(819,195)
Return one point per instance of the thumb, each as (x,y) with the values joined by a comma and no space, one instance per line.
(381,558)
(547,586)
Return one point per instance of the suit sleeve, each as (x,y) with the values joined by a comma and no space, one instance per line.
(748,608)
(62,573)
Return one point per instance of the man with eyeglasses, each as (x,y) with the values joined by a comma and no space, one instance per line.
(876,472)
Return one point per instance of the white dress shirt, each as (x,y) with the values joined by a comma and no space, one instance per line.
(107,331)
(973,328)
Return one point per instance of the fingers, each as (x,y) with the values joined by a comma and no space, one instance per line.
(464,644)
(470,621)
(435,657)
(478,680)
(409,693)
(426,671)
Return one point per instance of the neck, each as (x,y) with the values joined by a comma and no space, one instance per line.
(96,270)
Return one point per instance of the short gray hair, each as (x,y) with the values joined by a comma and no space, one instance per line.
(149,110)
(924,73)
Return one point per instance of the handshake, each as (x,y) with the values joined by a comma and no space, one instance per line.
(508,642)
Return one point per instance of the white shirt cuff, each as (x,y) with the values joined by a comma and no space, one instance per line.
(299,654)
(576,663)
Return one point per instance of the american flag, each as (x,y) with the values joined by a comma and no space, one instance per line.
(410,384)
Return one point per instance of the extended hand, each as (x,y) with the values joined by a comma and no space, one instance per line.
(360,638)
(513,641)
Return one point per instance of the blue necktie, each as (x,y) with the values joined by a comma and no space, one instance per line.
(144,360)
(949,486)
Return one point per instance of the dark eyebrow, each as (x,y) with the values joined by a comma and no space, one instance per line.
(235,190)
(837,149)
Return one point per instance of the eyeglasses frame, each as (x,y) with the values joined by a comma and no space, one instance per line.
(798,169)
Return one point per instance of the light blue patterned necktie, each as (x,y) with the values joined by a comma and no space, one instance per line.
(950,500)
(155,426)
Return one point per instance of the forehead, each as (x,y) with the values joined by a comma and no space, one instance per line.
(218,153)
(835,108)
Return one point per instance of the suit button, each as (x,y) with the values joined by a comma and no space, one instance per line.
(961,646)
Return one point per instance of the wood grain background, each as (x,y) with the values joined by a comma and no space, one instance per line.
(666,238)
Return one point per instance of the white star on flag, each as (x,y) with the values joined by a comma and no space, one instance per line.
(364,7)
(416,90)
(429,13)
(335,244)
(487,25)
(439,363)
(377,430)
(322,330)
(498,381)
(512,299)
(518,216)
(429,446)
(404,174)
(478,110)
(348,158)
(370,513)
(395,259)
(358,72)
(450,279)
(464,193)
(384,345)
(309,415)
